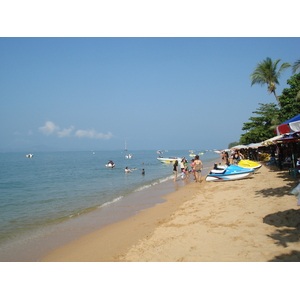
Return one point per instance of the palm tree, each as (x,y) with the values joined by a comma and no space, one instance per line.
(266,73)
(296,66)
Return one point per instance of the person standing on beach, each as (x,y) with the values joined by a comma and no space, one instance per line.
(236,158)
(193,167)
(175,169)
(223,157)
(198,168)
(241,156)
(182,164)
(226,158)
(186,167)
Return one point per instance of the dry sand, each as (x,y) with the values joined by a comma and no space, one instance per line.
(249,220)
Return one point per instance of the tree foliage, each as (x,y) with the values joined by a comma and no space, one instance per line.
(296,66)
(267,72)
(232,144)
(262,126)
(290,100)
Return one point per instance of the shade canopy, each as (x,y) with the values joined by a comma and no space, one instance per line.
(283,138)
(253,145)
(289,126)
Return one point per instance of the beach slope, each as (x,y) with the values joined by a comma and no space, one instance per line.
(250,220)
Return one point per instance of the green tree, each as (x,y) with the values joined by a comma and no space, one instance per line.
(290,100)
(232,144)
(261,127)
(266,73)
(296,66)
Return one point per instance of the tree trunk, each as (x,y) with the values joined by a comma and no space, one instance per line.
(277,99)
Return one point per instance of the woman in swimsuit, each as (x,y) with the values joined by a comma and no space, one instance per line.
(198,168)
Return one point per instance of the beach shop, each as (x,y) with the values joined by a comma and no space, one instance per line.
(282,150)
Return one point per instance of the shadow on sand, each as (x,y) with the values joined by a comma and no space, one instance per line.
(289,220)
(294,256)
(289,184)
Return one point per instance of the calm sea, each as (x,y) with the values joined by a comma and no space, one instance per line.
(53,187)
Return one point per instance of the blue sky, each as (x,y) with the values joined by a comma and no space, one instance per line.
(155,93)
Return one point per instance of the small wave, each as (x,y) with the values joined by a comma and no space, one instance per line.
(166,179)
(158,181)
(110,202)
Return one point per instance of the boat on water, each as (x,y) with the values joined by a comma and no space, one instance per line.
(232,172)
(249,164)
(29,155)
(110,164)
(128,156)
(159,152)
(168,160)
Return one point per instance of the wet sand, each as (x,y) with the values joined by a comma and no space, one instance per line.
(250,220)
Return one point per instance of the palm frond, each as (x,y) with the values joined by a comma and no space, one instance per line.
(296,66)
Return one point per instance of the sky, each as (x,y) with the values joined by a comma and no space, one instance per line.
(154,93)
(155,75)
(159,74)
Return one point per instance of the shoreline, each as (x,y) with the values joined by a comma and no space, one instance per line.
(32,249)
(243,220)
(115,239)
(35,245)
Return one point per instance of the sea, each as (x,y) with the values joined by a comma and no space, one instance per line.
(54,197)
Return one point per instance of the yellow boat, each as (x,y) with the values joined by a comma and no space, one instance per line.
(169,160)
(249,164)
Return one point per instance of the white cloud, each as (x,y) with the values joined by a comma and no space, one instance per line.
(65,132)
(49,128)
(92,134)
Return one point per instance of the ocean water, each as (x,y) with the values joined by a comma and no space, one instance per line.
(54,187)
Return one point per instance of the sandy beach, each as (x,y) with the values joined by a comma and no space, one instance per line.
(250,220)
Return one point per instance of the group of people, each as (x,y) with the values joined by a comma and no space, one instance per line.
(195,168)
(127,170)
(232,159)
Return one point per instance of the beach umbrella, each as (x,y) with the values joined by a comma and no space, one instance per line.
(289,137)
(291,125)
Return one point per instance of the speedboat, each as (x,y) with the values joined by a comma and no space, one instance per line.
(159,152)
(29,155)
(232,172)
(110,165)
(128,156)
(249,164)
(169,160)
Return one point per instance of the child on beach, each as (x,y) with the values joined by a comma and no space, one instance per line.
(186,168)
